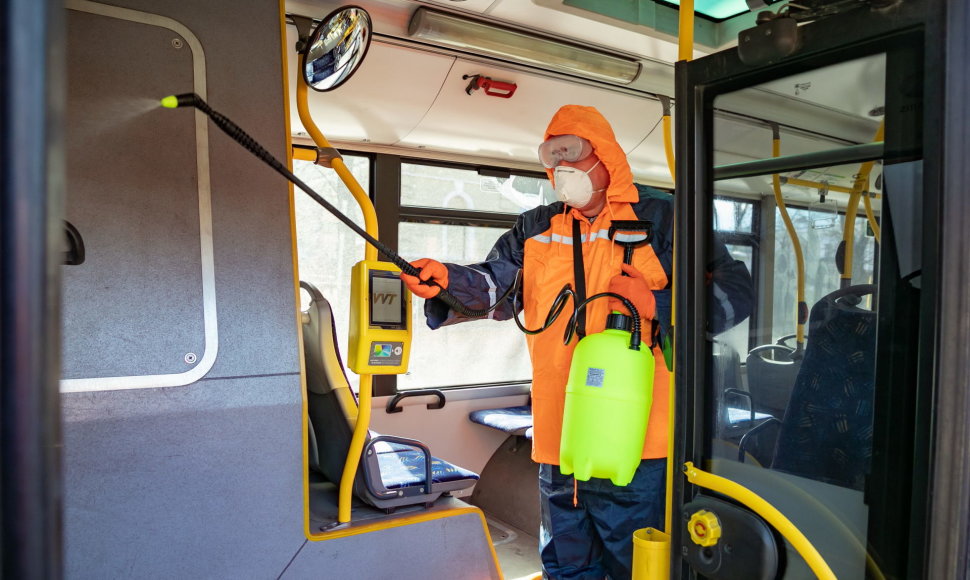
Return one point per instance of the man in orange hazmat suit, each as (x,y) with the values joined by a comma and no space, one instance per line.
(586,526)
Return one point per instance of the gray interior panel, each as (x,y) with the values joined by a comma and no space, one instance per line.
(135,306)
(202,482)
(206,480)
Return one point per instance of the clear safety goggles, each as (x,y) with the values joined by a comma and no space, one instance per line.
(561,148)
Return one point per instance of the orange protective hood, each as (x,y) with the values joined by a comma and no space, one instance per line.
(590,124)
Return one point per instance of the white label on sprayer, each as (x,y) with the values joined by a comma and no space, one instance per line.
(594,377)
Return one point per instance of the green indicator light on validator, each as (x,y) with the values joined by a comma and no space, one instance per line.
(170,102)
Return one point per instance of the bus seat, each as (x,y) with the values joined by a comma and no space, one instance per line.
(512,420)
(826,434)
(402,466)
(729,391)
(771,372)
(393,470)
(771,376)
(736,412)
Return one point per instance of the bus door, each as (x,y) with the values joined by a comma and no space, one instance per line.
(802,424)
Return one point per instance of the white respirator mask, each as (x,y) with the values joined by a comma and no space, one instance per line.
(573,186)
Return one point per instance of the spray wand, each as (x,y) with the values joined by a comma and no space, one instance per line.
(253,146)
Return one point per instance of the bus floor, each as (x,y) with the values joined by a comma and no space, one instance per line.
(517,550)
(508,494)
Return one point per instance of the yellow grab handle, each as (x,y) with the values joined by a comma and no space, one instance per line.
(767,511)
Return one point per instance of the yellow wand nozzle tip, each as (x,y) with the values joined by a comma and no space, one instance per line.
(170,102)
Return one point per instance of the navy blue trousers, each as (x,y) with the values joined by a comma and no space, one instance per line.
(594,539)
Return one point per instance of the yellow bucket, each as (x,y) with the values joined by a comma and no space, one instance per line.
(651,555)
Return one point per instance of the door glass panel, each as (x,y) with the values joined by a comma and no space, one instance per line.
(793,405)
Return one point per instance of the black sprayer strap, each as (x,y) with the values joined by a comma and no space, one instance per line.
(579,276)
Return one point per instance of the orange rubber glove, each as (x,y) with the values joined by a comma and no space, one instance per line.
(634,288)
(430,270)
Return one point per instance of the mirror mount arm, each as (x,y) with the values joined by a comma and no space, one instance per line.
(304,26)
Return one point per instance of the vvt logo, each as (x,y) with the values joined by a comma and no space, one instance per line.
(381,298)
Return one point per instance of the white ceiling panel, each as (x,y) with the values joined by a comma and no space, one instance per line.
(382,102)
(512,128)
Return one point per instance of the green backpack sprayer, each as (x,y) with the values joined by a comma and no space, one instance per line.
(610,387)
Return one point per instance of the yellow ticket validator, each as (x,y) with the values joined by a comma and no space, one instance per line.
(380,319)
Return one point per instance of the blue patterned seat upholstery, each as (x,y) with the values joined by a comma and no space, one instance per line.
(512,420)
(403,466)
(827,431)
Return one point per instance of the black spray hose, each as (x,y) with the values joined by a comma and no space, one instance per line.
(634,335)
(560,303)
(241,137)
(554,311)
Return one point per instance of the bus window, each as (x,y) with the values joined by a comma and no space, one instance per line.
(326,248)
(472,208)
(483,351)
(735,221)
(467,189)
(820,242)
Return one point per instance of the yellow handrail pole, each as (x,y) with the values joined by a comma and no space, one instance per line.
(370,216)
(852,209)
(848,238)
(872,218)
(685,30)
(817,185)
(304,154)
(824,512)
(801,307)
(362,424)
(685,52)
(361,427)
(767,511)
(668,135)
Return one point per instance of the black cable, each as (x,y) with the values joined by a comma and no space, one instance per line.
(243,138)
(634,335)
(554,311)
(240,136)
(559,303)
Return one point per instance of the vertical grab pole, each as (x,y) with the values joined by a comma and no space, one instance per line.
(362,424)
(668,136)
(801,315)
(851,210)
(685,33)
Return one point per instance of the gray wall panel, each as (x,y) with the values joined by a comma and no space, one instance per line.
(416,552)
(135,306)
(203,481)
(250,202)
